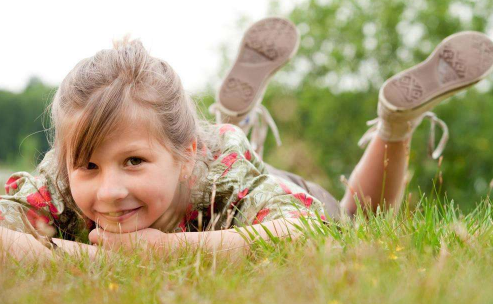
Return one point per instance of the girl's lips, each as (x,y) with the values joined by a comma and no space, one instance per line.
(119,216)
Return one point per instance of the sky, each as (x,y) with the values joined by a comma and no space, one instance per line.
(48,38)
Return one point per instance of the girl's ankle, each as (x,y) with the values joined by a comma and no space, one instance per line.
(396,131)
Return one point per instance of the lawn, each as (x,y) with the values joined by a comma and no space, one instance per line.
(429,253)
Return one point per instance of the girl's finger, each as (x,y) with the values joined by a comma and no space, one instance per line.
(94,237)
(106,239)
(112,241)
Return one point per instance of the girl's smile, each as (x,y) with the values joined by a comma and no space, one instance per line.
(119,216)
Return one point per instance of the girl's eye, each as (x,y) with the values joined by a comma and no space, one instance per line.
(134,161)
(91,166)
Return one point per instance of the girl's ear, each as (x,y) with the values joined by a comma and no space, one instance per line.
(187,167)
(192,149)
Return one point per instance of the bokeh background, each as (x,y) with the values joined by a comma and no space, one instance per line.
(320,101)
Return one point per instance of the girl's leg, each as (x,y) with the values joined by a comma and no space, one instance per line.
(405,99)
(378,178)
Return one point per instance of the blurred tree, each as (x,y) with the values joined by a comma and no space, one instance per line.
(21,125)
(323,98)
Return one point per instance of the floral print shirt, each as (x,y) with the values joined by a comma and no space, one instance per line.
(234,188)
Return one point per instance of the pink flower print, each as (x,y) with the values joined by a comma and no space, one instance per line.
(306,200)
(229,160)
(42,198)
(226,128)
(241,195)
(261,215)
(191,214)
(248,155)
(285,188)
(35,217)
(1,216)
(217,154)
(182,226)
(53,210)
(11,184)
(322,217)
(39,199)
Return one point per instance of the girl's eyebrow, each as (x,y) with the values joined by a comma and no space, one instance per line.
(132,150)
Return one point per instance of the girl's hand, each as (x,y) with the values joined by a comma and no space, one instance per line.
(129,241)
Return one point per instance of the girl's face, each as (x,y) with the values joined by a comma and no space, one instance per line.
(129,182)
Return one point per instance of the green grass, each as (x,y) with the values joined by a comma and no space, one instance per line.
(432,254)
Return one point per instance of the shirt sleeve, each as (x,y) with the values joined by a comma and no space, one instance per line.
(34,199)
(27,198)
(252,193)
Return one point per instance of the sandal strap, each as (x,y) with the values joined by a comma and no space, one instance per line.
(434,151)
(259,120)
(370,133)
(260,128)
(215,110)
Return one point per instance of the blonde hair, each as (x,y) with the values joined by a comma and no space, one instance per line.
(115,85)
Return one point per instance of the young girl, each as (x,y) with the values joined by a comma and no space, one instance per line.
(130,157)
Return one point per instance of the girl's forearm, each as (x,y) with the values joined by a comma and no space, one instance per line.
(230,241)
(21,245)
(24,246)
(75,248)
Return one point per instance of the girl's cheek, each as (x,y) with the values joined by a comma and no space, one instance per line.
(81,194)
(156,192)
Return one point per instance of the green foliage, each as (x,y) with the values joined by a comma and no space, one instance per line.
(323,98)
(21,126)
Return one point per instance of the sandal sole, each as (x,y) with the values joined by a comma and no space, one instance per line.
(458,62)
(266,47)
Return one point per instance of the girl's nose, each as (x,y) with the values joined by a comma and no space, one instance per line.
(111,189)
